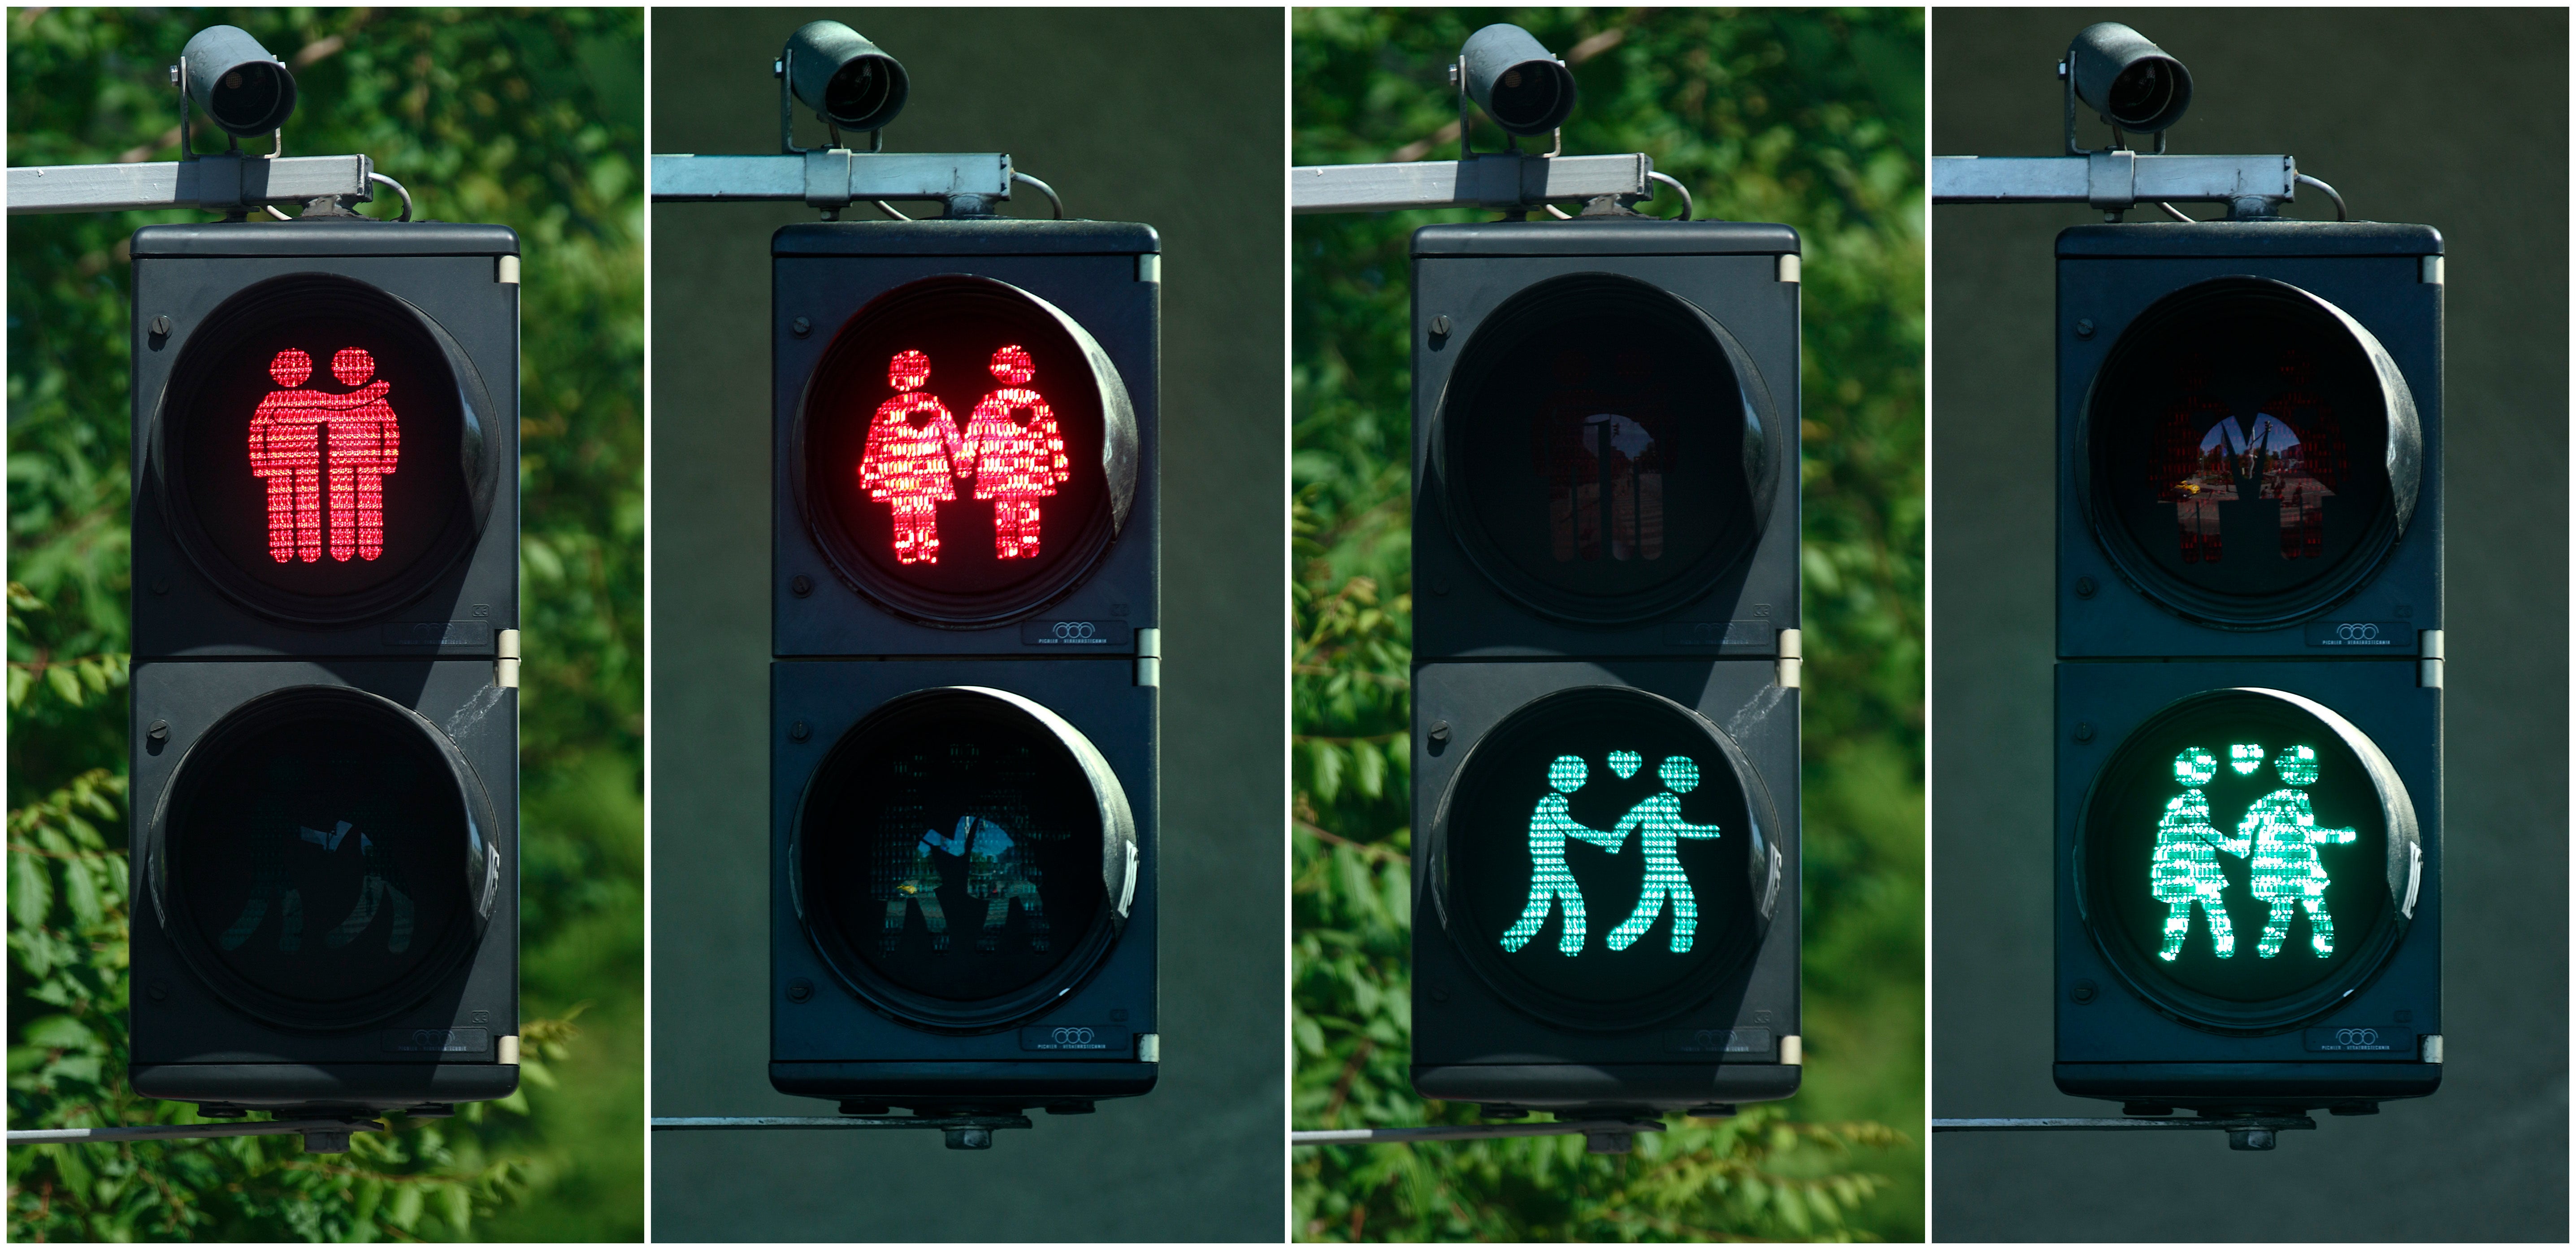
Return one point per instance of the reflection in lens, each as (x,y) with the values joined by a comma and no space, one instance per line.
(2140,92)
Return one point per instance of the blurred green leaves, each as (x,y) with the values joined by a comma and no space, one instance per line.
(1809,117)
(530,119)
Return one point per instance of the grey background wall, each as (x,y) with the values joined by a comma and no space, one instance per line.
(2457,119)
(1171,117)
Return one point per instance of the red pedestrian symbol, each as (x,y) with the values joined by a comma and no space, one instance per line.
(1016,460)
(1011,447)
(304,440)
(907,461)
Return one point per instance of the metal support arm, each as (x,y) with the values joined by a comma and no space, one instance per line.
(1489,180)
(1601,1137)
(964,1132)
(838,177)
(2113,180)
(220,184)
(320,1136)
(2248,1132)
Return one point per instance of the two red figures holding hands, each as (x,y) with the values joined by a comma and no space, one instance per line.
(1011,446)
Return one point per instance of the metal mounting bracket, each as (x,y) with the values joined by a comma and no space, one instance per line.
(832,178)
(2249,1132)
(2115,181)
(217,184)
(964,1132)
(1498,180)
(320,1136)
(1600,1137)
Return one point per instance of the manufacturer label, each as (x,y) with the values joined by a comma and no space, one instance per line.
(1117,635)
(1072,1037)
(1720,1041)
(2350,1037)
(1757,637)
(2381,635)
(439,634)
(440,1041)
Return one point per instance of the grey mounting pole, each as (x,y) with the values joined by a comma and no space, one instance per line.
(1600,1137)
(964,1132)
(970,184)
(2251,186)
(216,184)
(2244,1132)
(1496,180)
(320,1136)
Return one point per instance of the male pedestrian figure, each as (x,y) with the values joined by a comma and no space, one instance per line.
(1551,882)
(2287,874)
(1016,461)
(911,442)
(997,871)
(2185,872)
(1661,828)
(918,886)
(366,440)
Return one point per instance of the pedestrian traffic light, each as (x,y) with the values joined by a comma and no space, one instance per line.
(966,634)
(2249,849)
(1606,649)
(325,724)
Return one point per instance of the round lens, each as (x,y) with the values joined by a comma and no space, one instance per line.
(323,858)
(321,449)
(1599,852)
(951,849)
(2236,861)
(960,441)
(1604,455)
(2239,436)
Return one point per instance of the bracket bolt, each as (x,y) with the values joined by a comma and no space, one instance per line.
(801,327)
(159,732)
(2083,732)
(798,732)
(1440,731)
(1440,326)
(2083,327)
(2084,588)
(800,585)
(161,326)
(799,990)
(2082,992)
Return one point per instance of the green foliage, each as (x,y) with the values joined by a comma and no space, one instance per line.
(527,119)
(1812,118)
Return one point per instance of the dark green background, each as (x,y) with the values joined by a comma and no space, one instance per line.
(1171,117)
(2456,119)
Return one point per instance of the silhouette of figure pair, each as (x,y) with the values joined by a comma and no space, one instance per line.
(1011,446)
(2279,833)
(289,451)
(1660,829)
(997,872)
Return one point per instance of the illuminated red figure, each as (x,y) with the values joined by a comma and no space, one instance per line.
(287,452)
(911,444)
(2304,473)
(1016,461)
(2193,466)
(1590,457)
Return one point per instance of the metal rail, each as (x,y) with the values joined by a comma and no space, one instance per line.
(1490,180)
(213,183)
(1600,1137)
(964,1132)
(2252,1132)
(835,178)
(320,1136)
(2113,181)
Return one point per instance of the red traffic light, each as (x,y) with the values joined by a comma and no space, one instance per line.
(968,451)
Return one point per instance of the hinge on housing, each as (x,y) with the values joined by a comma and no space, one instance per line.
(1149,657)
(1790,659)
(505,668)
(506,271)
(1791,1052)
(507,1049)
(2428,659)
(1788,271)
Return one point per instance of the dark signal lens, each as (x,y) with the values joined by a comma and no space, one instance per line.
(952,857)
(323,462)
(1600,851)
(1604,451)
(968,451)
(2240,437)
(2237,863)
(324,857)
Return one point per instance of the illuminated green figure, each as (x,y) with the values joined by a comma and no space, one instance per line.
(2286,872)
(2185,872)
(1551,883)
(1661,828)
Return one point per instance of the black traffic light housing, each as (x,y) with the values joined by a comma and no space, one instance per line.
(1538,349)
(2291,607)
(1062,653)
(325,804)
